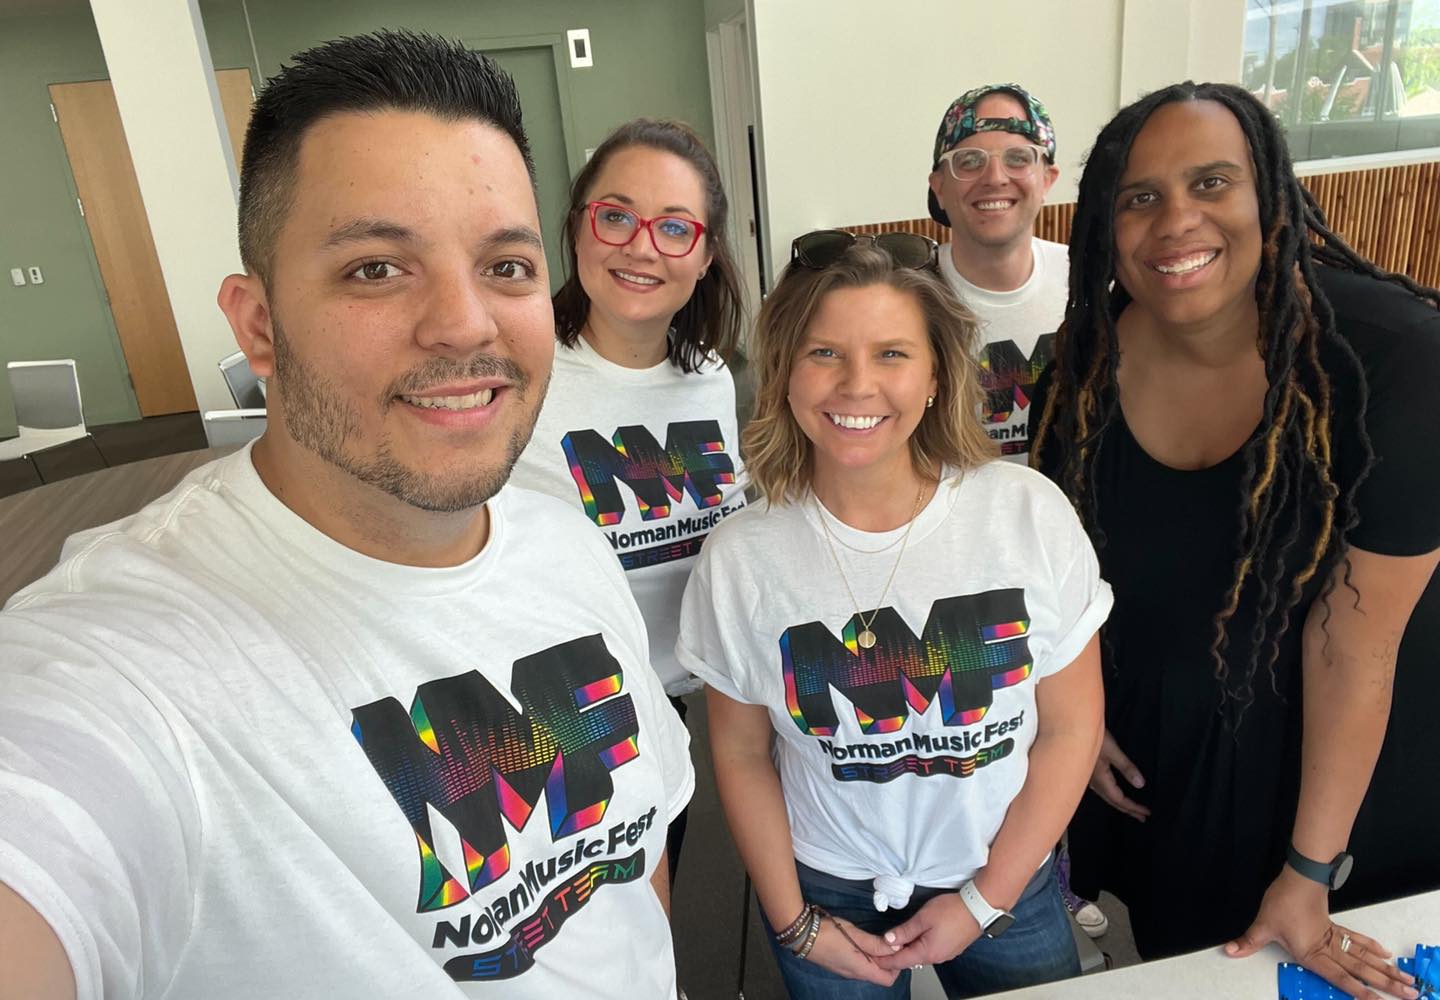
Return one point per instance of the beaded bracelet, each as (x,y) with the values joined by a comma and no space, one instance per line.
(813,932)
(797,928)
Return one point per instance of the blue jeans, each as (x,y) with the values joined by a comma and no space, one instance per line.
(1037,948)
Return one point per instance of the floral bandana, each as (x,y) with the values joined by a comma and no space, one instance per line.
(960,122)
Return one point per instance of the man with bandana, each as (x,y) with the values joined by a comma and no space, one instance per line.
(994,163)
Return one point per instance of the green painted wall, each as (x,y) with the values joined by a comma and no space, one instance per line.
(722,10)
(67,316)
(39,224)
(649,60)
(229,41)
(649,54)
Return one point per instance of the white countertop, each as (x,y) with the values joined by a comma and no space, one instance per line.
(1399,925)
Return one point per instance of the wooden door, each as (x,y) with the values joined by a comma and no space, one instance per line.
(120,232)
(236,96)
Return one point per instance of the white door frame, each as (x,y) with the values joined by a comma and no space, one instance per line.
(732,101)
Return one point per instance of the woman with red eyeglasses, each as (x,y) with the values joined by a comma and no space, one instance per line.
(639,427)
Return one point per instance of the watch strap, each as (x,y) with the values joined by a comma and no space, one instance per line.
(985,915)
(1330,874)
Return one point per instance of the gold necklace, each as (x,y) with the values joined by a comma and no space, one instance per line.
(866,638)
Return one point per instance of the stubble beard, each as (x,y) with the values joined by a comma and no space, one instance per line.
(321,419)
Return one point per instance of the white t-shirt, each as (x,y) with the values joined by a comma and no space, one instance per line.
(652,457)
(898,762)
(1018,328)
(238,759)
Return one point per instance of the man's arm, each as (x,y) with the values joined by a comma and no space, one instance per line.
(34,964)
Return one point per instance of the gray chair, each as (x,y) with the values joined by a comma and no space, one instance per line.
(232,427)
(47,406)
(245,385)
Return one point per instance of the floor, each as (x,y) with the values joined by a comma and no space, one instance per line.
(709,903)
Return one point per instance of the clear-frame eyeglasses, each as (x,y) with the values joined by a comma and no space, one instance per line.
(965,163)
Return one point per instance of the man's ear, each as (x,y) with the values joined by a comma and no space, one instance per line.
(1052,174)
(937,178)
(243,301)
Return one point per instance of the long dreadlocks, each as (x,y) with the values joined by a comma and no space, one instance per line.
(1288,465)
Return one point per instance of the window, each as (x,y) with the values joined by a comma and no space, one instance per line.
(1347,76)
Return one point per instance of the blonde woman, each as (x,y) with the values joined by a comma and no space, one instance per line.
(913,625)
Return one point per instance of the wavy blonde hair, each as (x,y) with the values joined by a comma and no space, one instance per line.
(778,455)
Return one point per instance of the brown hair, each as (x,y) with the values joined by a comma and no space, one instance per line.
(778,454)
(710,321)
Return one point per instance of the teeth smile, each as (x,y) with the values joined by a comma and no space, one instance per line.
(481,398)
(993,206)
(1187,264)
(854,423)
(638,279)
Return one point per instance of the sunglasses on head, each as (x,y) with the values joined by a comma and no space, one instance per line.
(824,247)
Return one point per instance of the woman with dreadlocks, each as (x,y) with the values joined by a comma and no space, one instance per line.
(1244,412)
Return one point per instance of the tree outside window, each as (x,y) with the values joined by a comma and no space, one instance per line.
(1347,76)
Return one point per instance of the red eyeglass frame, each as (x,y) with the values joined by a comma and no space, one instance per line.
(645,224)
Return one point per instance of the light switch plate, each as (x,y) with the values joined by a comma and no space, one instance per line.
(17,277)
(578,41)
(36,278)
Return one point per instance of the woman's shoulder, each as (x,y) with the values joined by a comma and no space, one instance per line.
(1383,321)
(1012,481)
(711,367)
(1002,499)
(580,361)
(1395,336)
(759,526)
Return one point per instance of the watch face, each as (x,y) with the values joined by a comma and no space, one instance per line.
(1340,869)
(999,925)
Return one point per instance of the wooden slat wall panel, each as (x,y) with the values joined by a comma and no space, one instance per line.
(1390,215)
(925,227)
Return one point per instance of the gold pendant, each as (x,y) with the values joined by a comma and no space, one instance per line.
(866,639)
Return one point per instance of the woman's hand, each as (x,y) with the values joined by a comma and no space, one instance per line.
(1104,783)
(848,951)
(1295,914)
(942,929)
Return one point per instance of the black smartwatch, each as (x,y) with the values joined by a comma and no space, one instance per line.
(1333,874)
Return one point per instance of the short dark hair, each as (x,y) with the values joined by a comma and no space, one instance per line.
(387,70)
(710,321)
